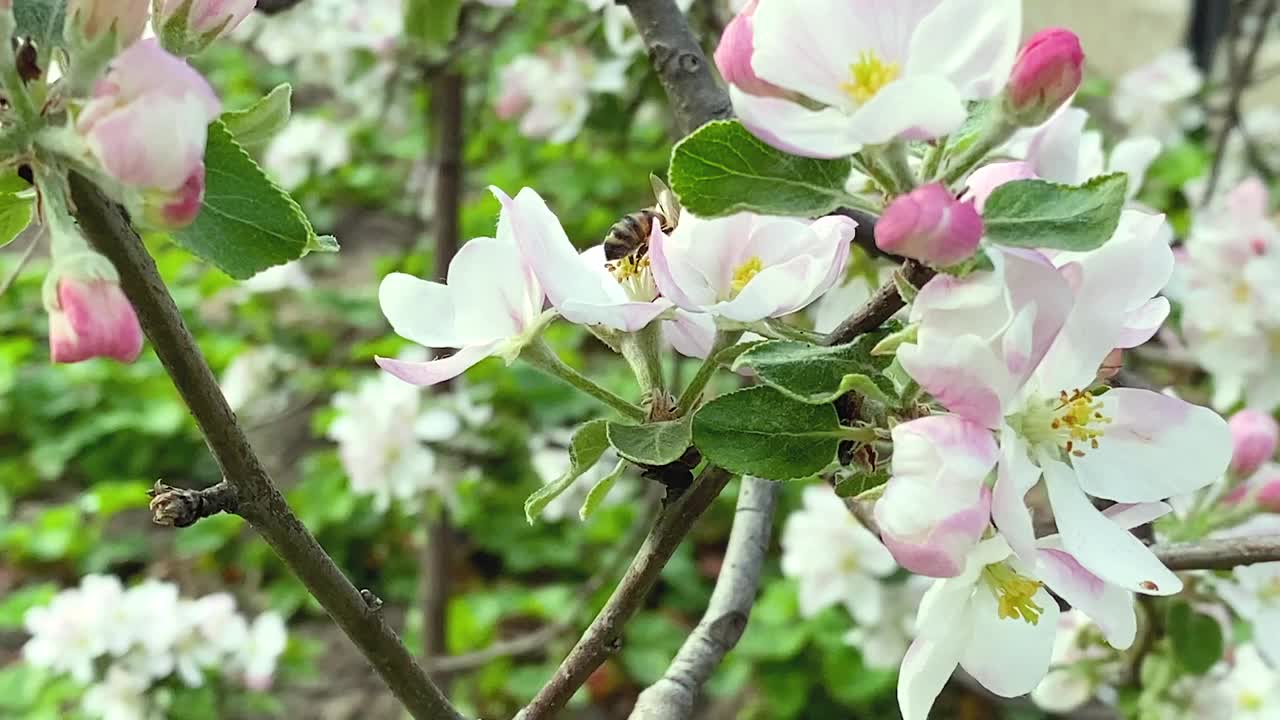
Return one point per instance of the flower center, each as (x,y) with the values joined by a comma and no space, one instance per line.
(1072,421)
(1250,701)
(634,275)
(744,272)
(1269,593)
(1015,593)
(1241,293)
(869,74)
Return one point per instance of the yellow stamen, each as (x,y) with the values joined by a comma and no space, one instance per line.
(869,74)
(1014,593)
(743,274)
(1250,701)
(1077,420)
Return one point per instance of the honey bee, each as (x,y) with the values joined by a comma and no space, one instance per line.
(629,237)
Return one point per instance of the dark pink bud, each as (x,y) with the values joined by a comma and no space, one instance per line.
(1046,74)
(94,319)
(1254,436)
(733,54)
(931,225)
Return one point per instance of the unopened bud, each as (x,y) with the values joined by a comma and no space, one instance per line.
(1045,75)
(89,20)
(186,27)
(733,54)
(89,316)
(1254,436)
(931,225)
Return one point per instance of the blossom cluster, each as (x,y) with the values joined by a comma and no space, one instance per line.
(124,642)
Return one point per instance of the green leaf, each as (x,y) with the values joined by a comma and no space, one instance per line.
(652,443)
(588,444)
(15,215)
(255,125)
(816,374)
(600,491)
(1041,214)
(762,432)
(15,604)
(1197,638)
(861,481)
(246,223)
(40,20)
(722,168)
(432,23)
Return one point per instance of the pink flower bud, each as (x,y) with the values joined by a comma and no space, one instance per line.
(176,209)
(1254,436)
(733,54)
(188,26)
(1045,75)
(1268,497)
(147,121)
(93,319)
(931,225)
(93,18)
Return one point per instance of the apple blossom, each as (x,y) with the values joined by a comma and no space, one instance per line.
(585,288)
(1253,592)
(265,643)
(1254,436)
(883,644)
(1072,679)
(92,19)
(1251,687)
(877,71)
(747,267)
(120,696)
(935,507)
(1010,350)
(1045,75)
(309,145)
(834,559)
(89,316)
(1153,99)
(146,124)
(733,54)
(187,27)
(552,92)
(491,305)
(931,225)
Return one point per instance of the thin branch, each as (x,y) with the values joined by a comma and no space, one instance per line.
(604,636)
(179,507)
(23,260)
(880,307)
(696,96)
(1219,554)
(674,695)
(258,499)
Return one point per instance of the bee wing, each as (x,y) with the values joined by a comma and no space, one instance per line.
(668,203)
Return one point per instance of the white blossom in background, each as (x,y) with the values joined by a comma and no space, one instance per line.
(308,145)
(1154,99)
(1253,592)
(287,276)
(379,444)
(885,643)
(1262,126)
(551,91)
(1251,687)
(123,642)
(1072,678)
(549,454)
(834,559)
(252,382)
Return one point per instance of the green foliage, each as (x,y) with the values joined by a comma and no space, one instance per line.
(1196,637)
(1041,214)
(40,20)
(246,222)
(652,443)
(254,126)
(815,374)
(15,215)
(588,444)
(432,24)
(762,432)
(722,168)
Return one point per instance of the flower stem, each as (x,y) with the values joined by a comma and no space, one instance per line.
(773,327)
(871,166)
(539,355)
(693,391)
(895,159)
(933,159)
(640,349)
(995,131)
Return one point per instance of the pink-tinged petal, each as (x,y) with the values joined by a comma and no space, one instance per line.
(983,181)
(1009,656)
(546,248)
(672,274)
(154,143)
(918,107)
(489,284)
(806,46)
(978,60)
(1046,74)
(1155,447)
(926,668)
(418,310)
(1009,511)
(1249,199)
(835,232)
(1142,324)
(1107,605)
(1100,545)
(626,316)
(793,128)
(1254,436)
(962,374)
(941,553)
(94,319)
(180,207)
(1054,151)
(691,334)
(1131,515)
(437,371)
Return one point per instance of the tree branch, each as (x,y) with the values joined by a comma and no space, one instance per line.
(179,507)
(674,695)
(258,499)
(880,307)
(1219,554)
(696,95)
(604,636)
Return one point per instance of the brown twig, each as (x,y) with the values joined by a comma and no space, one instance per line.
(604,636)
(259,501)
(179,507)
(1219,554)
(880,307)
(673,696)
